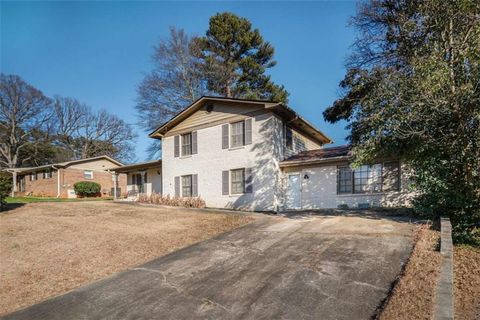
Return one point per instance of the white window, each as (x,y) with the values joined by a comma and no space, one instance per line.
(237,137)
(47,174)
(187,186)
(186,144)
(238,181)
(33,176)
(88,174)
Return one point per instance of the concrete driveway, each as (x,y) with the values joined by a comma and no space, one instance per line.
(303,267)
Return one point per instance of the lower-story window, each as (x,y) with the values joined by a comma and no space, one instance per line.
(369,178)
(238,181)
(187,186)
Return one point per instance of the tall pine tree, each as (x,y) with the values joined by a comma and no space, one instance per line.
(235,58)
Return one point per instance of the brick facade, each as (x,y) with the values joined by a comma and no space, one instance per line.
(48,187)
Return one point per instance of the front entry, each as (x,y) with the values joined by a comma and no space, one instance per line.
(293,200)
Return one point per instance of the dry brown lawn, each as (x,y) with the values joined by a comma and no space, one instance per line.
(50,248)
(467,282)
(413,295)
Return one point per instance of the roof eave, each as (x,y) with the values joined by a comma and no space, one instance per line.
(295,163)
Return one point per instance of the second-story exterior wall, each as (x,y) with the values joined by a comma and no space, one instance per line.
(261,156)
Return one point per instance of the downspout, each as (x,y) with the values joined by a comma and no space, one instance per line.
(14,187)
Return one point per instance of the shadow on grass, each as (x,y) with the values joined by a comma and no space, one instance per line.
(10,206)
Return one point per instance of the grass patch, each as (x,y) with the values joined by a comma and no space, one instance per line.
(50,199)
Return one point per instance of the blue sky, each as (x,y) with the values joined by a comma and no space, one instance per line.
(98,52)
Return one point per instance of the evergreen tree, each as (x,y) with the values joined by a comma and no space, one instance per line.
(412,90)
(235,58)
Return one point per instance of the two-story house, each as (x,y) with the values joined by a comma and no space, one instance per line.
(260,155)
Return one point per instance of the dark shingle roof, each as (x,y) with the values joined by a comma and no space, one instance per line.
(321,154)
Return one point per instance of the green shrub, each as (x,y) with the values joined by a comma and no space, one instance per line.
(5,187)
(87,188)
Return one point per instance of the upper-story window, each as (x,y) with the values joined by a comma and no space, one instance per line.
(288,137)
(237,137)
(187,144)
(237,134)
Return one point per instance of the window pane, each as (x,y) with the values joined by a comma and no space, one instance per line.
(238,181)
(187,186)
(344,180)
(288,137)
(238,134)
(186,144)
(368,179)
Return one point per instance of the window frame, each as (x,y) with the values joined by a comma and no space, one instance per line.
(182,185)
(85,174)
(369,175)
(289,138)
(242,183)
(232,134)
(183,146)
(33,176)
(340,179)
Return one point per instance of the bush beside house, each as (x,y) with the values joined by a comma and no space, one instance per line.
(87,189)
(5,188)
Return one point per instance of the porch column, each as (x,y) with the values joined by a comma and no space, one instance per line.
(142,173)
(115,177)
(14,187)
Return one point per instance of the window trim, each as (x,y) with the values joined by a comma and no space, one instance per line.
(243,182)
(182,137)
(85,175)
(182,186)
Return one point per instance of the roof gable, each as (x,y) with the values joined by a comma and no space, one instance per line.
(241,106)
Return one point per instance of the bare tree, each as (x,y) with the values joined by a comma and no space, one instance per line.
(88,134)
(70,117)
(175,82)
(24,110)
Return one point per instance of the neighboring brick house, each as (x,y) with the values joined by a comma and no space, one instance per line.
(57,180)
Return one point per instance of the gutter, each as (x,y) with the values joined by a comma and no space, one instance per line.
(295,163)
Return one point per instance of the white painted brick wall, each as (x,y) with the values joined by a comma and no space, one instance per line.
(262,155)
(320,191)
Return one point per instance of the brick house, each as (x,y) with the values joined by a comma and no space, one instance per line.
(57,180)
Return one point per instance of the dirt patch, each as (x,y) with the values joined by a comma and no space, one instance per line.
(467,282)
(413,295)
(50,248)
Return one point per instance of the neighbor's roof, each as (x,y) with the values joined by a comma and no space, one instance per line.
(64,164)
(138,166)
(318,156)
(282,110)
